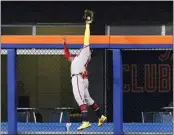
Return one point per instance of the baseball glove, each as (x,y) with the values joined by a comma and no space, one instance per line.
(88,16)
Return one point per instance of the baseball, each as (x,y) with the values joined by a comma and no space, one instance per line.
(88,18)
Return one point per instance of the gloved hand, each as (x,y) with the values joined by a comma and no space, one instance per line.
(88,16)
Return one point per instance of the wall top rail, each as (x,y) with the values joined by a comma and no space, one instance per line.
(93,39)
(44,25)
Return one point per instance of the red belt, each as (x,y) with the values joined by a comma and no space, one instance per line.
(84,75)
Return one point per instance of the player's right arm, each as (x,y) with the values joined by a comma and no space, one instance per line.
(67,54)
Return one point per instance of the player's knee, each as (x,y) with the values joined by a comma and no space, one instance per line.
(83,107)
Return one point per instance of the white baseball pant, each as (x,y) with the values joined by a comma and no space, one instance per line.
(80,90)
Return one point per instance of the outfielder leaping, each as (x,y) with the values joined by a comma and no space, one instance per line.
(79,76)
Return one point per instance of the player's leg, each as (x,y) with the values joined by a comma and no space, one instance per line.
(78,91)
(88,98)
(90,102)
(95,107)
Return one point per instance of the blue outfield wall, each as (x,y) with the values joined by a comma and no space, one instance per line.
(117,126)
(77,46)
(107,127)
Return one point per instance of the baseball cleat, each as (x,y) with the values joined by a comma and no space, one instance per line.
(84,125)
(102,120)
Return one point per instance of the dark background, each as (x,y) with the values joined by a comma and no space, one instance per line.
(119,13)
(136,102)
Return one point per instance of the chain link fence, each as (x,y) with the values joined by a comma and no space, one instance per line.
(46,104)
(147,90)
(45,93)
(147,82)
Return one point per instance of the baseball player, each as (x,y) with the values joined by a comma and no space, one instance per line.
(79,76)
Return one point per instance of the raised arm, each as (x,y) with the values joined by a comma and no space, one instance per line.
(88,18)
(67,54)
(87,35)
(85,53)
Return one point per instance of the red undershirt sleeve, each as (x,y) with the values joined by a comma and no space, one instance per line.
(67,54)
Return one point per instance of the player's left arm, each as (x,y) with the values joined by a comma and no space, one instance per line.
(88,16)
(87,35)
(85,52)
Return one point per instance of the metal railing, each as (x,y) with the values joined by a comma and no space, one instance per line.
(139,30)
(78,29)
(51,29)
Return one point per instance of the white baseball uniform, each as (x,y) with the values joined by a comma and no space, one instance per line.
(80,85)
